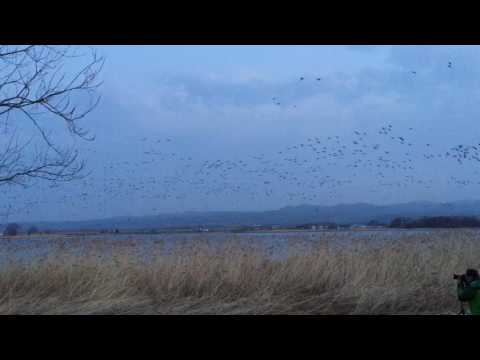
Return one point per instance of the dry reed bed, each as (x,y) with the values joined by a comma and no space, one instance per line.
(409,275)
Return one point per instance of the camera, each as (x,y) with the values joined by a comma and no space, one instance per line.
(462,277)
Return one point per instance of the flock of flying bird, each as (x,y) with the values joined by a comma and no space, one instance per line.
(312,170)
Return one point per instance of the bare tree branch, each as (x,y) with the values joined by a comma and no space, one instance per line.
(35,85)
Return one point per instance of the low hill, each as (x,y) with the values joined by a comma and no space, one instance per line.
(359,213)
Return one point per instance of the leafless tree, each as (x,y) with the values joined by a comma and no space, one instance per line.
(41,86)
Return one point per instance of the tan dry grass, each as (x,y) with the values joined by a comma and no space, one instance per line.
(409,276)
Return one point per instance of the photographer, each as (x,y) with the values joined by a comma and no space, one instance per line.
(468,286)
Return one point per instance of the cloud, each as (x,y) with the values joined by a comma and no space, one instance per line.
(190,105)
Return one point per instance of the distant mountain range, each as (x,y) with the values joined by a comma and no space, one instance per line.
(359,213)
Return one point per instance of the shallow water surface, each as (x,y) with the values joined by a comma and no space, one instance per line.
(274,244)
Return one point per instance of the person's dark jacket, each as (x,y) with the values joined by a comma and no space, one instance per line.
(471,294)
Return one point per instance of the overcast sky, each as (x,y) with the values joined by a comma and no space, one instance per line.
(199,104)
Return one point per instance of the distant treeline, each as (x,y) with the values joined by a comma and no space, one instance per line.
(436,222)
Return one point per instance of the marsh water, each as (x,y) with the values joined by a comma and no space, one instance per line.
(274,244)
